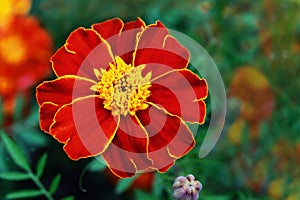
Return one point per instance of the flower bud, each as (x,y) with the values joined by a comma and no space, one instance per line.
(186,188)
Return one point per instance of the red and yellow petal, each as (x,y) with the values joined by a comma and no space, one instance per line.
(124,45)
(85,127)
(130,136)
(109,28)
(169,137)
(75,56)
(138,23)
(160,51)
(127,153)
(180,93)
(64,90)
(47,113)
(121,37)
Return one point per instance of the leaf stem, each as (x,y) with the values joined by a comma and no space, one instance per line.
(40,185)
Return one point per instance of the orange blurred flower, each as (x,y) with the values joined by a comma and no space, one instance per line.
(11,8)
(25,49)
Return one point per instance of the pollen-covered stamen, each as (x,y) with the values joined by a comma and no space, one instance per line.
(123,88)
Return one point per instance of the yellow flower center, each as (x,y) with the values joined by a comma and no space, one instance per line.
(123,87)
(12,49)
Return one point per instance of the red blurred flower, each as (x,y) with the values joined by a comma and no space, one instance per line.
(123,91)
(25,49)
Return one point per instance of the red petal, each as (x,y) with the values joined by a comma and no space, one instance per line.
(139,23)
(64,90)
(47,113)
(126,44)
(109,28)
(122,174)
(130,136)
(122,40)
(169,137)
(160,51)
(73,57)
(85,126)
(181,93)
(128,151)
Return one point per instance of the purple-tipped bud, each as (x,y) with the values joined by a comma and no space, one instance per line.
(186,188)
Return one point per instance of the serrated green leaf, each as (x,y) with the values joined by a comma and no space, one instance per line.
(123,185)
(14,176)
(15,152)
(24,194)
(54,184)
(40,167)
(68,198)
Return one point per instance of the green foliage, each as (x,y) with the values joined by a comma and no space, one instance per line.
(18,108)
(24,194)
(15,152)
(21,161)
(40,167)
(96,165)
(1,113)
(68,198)
(14,176)
(54,184)
(124,184)
(142,195)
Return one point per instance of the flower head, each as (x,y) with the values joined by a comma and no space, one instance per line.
(123,91)
(24,57)
(186,188)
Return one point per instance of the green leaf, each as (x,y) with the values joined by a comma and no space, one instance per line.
(96,165)
(14,176)
(54,184)
(24,194)
(15,152)
(68,198)
(41,165)
(124,184)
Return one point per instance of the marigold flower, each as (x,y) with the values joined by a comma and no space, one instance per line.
(186,188)
(25,48)
(123,91)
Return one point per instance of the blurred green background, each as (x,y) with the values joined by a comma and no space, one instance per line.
(256,46)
